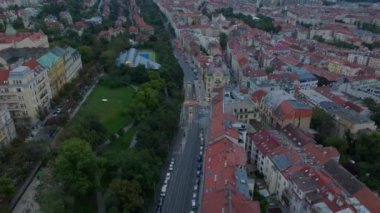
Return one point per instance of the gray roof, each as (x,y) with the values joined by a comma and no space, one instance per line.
(343,177)
(133,59)
(304,183)
(344,113)
(275,98)
(242,182)
(281,162)
(19,72)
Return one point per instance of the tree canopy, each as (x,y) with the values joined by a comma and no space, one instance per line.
(75,166)
(124,196)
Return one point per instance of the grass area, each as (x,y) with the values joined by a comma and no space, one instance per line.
(113,112)
(151,53)
(121,144)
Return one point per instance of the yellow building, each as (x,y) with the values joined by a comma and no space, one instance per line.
(56,71)
(216,75)
(335,66)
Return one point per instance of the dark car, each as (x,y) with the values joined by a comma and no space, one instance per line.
(51,133)
(199,167)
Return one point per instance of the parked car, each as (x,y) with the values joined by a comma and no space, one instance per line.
(193,204)
(163,190)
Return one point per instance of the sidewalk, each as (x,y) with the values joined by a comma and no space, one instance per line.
(27,202)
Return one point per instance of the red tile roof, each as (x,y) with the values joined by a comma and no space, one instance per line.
(322,73)
(368,199)
(32,63)
(4,74)
(220,161)
(297,136)
(321,155)
(265,141)
(258,95)
(218,127)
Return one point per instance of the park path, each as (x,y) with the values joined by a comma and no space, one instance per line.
(133,142)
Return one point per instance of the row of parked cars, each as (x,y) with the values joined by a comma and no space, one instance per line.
(194,200)
(165,186)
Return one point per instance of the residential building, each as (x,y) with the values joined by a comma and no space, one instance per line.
(225,182)
(56,71)
(344,118)
(72,61)
(7,126)
(279,109)
(362,89)
(13,57)
(306,177)
(241,106)
(216,75)
(25,90)
(12,39)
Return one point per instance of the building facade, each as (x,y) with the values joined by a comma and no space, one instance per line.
(72,61)
(7,126)
(56,71)
(25,90)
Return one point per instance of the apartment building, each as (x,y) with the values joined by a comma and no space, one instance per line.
(56,71)
(279,109)
(72,61)
(216,75)
(362,89)
(7,126)
(344,118)
(13,39)
(307,177)
(25,90)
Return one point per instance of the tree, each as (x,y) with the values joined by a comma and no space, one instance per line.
(86,53)
(368,158)
(124,195)
(340,144)
(223,38)
(75,166)
(322,122)
(7,187)
(108,58)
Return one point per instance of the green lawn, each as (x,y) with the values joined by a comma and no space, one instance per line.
(121,144)
(113,112)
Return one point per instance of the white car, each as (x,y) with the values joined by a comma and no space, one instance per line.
(171,167)
(193,204)
(194,195)
(196,187)
(163,190)
(168,175)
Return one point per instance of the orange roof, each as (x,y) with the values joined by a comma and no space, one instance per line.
(218,126)
(258,95)
(32,63)
(368,199)
(4,74)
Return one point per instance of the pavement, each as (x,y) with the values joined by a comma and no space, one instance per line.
(27,202)
(186,147)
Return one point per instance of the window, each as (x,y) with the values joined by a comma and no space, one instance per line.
(246,116)
(245,110)
(18,89)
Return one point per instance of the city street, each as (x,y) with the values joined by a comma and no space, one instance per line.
(194,116)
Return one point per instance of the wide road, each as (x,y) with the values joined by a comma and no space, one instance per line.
(186,147)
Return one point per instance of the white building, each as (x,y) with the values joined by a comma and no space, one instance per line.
(362,89)
(25,90)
